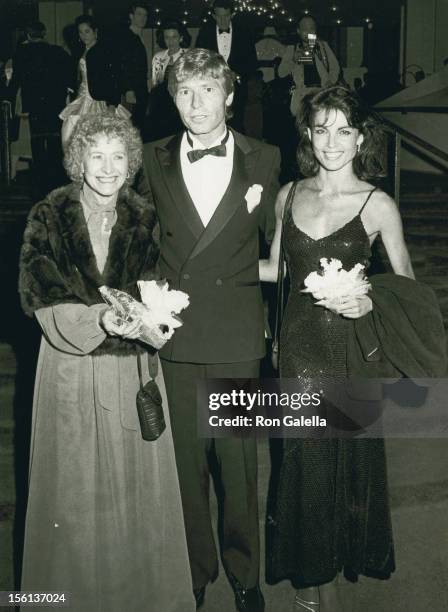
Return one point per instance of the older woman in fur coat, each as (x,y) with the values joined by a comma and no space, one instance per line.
(104,520)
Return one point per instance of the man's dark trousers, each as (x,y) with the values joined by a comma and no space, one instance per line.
(237,461)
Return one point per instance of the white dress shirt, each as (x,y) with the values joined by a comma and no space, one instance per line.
(224,42)
(208,178)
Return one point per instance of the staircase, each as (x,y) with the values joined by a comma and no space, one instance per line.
(424,211)
(425,221)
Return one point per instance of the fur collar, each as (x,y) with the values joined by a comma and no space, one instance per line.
(57,262)
(132,212)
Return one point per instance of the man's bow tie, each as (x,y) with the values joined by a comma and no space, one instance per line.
(223,31)
(218,150)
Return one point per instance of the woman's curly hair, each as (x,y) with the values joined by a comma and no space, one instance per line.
(369,162)
(88,128)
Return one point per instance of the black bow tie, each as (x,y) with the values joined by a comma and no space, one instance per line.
(223,31)
(218,150)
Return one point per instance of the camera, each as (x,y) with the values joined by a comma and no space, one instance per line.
(304,53)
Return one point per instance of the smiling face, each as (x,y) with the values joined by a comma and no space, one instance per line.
(105,166)
(172,40)
(139,17)
(87,34)
(333,140)
(202,102)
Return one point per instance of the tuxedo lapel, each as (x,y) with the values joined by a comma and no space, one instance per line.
(170,167)
(233,47)
(243,164)
(214,39)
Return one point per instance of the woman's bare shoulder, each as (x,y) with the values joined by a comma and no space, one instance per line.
(283,195)
(381,211)
(383,204)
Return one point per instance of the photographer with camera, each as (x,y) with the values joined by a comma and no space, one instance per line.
(311,63)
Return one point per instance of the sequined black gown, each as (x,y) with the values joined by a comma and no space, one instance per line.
(330,511)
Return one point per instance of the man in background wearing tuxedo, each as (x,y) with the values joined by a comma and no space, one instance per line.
(213,189)
(237,47)
(134,65)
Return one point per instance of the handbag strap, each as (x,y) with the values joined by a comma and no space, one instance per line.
(139,368)
(281,268)
(152,367)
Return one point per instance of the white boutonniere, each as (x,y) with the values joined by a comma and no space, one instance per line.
(253,197)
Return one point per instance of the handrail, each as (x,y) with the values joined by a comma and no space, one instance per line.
(415,139)
(5,151)
(400,133)
(414,109)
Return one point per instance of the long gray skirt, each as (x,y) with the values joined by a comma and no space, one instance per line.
(104,519)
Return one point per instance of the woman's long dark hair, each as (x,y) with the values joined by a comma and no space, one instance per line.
(369,162)
(92,23)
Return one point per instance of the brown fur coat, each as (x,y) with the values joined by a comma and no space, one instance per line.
(57,263)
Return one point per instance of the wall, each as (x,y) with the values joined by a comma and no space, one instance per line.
(56,15)
(426,35)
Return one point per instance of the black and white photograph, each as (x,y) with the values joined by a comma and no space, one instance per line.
(224,305)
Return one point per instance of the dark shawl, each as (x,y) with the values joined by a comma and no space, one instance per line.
(402,336)
(57,263)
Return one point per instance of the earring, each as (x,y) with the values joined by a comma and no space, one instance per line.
(358,146)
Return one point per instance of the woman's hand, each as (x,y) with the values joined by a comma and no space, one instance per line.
(134,329)
(115,326)
(349,307)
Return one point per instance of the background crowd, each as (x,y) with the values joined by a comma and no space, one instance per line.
(97,68)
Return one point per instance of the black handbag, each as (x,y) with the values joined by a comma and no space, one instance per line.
(275,356)
(149,407)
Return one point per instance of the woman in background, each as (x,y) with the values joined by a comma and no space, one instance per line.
(164,119)
(97,78)
(173,38)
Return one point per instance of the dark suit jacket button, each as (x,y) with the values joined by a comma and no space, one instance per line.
(219,282)
(185,276)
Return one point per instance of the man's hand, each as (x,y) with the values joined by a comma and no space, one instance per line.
(130,98)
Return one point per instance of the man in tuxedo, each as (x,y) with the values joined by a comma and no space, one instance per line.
(209,227)
(237,47)
(134,65)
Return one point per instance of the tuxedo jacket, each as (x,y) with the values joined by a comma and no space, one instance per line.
(43,72)
(103,73)
(243,55)
(217,265)
(133,66)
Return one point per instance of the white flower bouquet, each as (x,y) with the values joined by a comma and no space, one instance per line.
(332,282)
(158,311)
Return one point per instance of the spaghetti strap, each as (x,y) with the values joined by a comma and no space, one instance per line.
(289,201)
(368,198)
